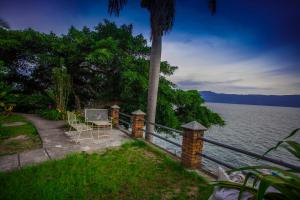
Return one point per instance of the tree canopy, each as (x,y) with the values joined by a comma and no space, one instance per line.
(106,65)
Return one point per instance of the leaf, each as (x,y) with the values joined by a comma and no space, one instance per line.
(263,186)
(280,142)
(274,196)
(255,181)
(294,148)
(244,184)
(292,133)
(292,151)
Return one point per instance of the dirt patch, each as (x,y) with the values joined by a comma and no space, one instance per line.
(18,144)
(193,191)
(13,124)
(18,138)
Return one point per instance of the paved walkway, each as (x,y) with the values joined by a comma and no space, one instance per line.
(56,144)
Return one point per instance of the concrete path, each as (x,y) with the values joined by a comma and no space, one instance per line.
(56,144)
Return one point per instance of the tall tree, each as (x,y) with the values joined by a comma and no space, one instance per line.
(162,15)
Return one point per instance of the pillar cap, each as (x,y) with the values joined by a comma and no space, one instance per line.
(138,112)
(195,126)
(115,107)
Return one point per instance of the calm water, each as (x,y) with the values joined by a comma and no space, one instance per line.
(249,127)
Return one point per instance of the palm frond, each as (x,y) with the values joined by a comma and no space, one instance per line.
(115,6)
(282,141)
(212,4)
(4,24)
(294,148)
(249,175)
(162,15)
(262,188)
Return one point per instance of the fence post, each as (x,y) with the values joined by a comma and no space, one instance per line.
(192,144)
(115,115)
(138,119)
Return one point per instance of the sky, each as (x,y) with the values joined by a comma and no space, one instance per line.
(247,47)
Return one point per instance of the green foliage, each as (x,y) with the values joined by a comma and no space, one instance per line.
(30,103)
(133,171)
(62,87)
(51,114)
(108,64)
(3,87)
(287,182)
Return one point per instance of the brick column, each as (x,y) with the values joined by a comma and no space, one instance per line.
(114,113)
(192,144)
(138,119)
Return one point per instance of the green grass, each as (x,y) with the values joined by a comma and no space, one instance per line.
(134,171)
(9,144)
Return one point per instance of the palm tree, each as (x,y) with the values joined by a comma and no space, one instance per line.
(162,15)
(4,24)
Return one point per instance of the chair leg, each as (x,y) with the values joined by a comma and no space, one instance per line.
(78,136)
(91,133)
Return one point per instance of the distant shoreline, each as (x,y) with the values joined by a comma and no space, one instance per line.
(251,104)
(292,101)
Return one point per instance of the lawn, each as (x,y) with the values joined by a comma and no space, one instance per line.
(134,171)
(14,139)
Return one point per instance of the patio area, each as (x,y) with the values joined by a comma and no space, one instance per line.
(57,144)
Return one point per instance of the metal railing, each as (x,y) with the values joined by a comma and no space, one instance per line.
(125,115)
(245,152)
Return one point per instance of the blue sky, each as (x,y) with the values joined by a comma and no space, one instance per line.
(248,47)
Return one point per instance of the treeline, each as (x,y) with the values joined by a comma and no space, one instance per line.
(107,64)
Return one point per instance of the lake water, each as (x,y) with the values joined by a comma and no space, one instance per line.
(249,127)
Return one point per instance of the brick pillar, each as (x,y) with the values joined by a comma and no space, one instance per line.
(114,113)
(138,119)
(192,144)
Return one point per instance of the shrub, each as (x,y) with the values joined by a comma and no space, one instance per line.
(61,90)
(31,103)
(51,114)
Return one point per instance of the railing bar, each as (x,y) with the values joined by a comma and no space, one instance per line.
(125,114)
(124,117)
(128,123)
(165,139)
(165,127)
(217,161)
(279,162)
(275,161)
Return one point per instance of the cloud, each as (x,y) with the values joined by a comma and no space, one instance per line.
(292,70)
(203,83)
(211,63)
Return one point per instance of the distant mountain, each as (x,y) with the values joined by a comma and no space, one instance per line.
(268,100)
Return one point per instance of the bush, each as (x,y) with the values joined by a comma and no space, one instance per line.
(51,114)
(31,103)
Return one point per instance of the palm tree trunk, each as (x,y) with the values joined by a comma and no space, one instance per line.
(154,72)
